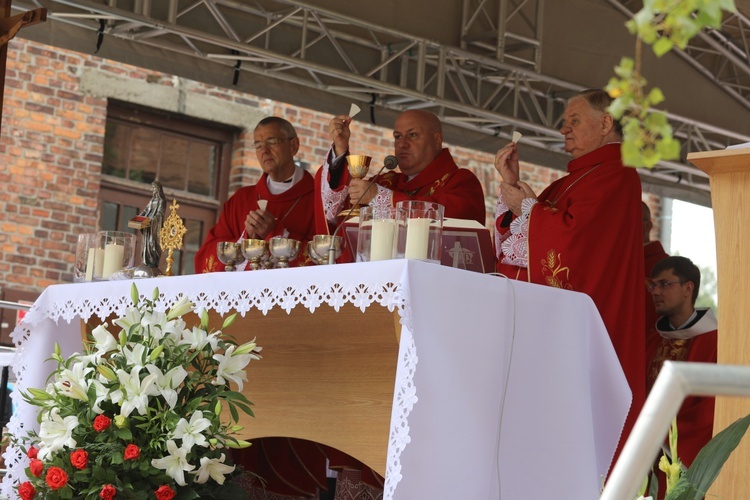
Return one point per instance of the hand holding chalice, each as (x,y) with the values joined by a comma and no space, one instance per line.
(358,166)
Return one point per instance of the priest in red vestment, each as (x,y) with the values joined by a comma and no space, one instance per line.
(286,189)
(427,172)
(583,232)
(686,333)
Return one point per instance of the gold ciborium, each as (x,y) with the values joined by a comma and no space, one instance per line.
(358,167)
(319,247)
(254,250)
(229,253)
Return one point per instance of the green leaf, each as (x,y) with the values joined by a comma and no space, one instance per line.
(656,96)
(709,461)
(662,46)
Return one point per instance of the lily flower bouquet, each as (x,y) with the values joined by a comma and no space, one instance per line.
(138,415)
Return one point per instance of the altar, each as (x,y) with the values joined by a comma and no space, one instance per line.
(500,389)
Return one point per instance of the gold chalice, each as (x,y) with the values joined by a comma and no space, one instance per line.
(254,250)
(319,247)
(359,165)
(229,253)
(284,249)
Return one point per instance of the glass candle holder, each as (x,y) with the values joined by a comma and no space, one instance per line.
(376,239)
(113,251)
(420,230)
(83,269)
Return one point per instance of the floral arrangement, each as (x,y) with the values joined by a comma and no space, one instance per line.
(138,415)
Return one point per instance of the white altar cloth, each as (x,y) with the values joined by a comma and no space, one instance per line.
(504,389)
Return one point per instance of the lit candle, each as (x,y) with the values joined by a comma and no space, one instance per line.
(113,254)
(417,236)
(381,240)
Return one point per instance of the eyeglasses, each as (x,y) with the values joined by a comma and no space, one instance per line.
(661,284)
(270,142)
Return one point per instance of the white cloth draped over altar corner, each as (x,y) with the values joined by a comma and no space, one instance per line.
(504,389)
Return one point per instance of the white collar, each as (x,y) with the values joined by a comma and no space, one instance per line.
(275,187)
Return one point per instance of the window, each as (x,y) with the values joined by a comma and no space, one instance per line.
(190,158)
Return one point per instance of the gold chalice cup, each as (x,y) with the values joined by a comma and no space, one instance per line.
(284,249)
(229,253)
(358,167)
(253,250)
(319,247)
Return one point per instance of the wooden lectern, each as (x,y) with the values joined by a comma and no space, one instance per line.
(729,173)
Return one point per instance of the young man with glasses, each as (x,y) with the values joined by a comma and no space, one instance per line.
(286,190)
(685,334)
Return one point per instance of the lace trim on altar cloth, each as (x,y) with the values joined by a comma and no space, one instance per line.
(513,244)
(333,201)
(383,198)
(386,294)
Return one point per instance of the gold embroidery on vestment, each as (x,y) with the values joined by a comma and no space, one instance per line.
(555,274)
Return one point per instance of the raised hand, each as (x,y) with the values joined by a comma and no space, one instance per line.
(506,163)
(340,133)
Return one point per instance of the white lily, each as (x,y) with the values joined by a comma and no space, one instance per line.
(190,432)
(166,383)
(197,338)
(132,317)
(232,367)
(72,382)
(134,392)
(213,467)
(101,395)
(136,356)
(155,324)
(175,464)
(104,341)
(56,433)
(183,306)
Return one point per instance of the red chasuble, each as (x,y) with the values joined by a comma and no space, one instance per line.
(293,210)
(586,235)
(457,189)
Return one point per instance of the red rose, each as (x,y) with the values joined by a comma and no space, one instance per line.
(56,478)
(26,491)
(132,452)
(79,459)
(32,453)
(108,492)
(164,493)
(36,466)
(101,422)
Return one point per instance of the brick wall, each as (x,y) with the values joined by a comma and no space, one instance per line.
(51,149)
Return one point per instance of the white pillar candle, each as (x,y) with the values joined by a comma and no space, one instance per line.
(113,254)
(417,236)
(98,262)
(90,264)
(381,240)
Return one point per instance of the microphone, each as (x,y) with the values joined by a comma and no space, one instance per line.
(390,162)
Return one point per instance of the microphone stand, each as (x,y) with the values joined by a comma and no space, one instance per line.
(389,163)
